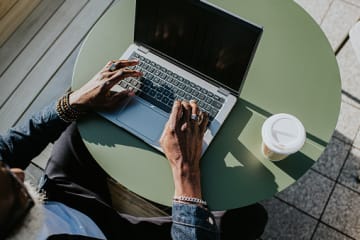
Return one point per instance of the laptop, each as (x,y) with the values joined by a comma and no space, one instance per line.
(187,49)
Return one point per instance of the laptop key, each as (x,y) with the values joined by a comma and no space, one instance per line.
(166,93)
(201,96)
(152,93)
(151,69)
(163,75)
(216,105)
(158,96)
(145,89)
(146,82)
(123,84)
(201,104)
(213,112)
(160,90)
(204,91)
(195,92)
(188,97)
(181,94)
(220,99)
(134,82)
(188,89)
(165,100)
(208,100)
(182,86)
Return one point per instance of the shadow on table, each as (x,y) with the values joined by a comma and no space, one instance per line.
(235,173)
(232,174)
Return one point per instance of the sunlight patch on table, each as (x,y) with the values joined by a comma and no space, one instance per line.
(231,161)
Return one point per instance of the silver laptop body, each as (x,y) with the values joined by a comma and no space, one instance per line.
(166,78)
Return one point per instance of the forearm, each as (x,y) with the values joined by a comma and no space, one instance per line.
(21,144)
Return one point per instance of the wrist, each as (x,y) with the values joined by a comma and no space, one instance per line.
(190,200)
(75,103)
(187,184)
(65,111)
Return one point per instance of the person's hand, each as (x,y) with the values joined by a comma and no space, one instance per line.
(181,141)
(96,94)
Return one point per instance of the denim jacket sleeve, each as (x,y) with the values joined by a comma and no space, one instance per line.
(193,222)
(21,144)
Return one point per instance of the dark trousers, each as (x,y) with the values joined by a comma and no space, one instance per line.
(73,177)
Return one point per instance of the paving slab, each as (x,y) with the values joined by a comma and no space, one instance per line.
(354,36)
(351,172)
(343,211)
(324,232)
(357,140)
(355,2)
(338,21)
(333,158)
(286,222)
(349,66)
(348,123)
(317,9)
(310,193)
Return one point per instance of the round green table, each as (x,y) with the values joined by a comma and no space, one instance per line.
(294,71)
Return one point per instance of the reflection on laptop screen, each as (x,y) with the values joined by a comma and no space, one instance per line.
(204,39)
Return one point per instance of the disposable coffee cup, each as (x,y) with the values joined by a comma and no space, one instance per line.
(282,134)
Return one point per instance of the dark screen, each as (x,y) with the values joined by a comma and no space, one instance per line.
(207,40)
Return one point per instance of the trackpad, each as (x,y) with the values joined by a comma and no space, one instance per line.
(143,120)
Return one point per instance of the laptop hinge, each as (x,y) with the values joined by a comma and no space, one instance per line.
(223,92)
(143,50)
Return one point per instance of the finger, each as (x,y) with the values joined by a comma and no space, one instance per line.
(186,110)
(204,119)
(119,75)
(124,73)
(173,121)
(175,114)
(119,96)
(118,64)
(127,63)
(109,63)
(106,74)
(194,108)
(131,73)
(107,66)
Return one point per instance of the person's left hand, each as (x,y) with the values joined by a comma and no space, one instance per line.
(96,94)
(182,141)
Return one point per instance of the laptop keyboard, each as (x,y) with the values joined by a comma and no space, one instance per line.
(161,87)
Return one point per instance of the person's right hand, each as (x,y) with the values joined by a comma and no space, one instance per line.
(97,94)
(181,141)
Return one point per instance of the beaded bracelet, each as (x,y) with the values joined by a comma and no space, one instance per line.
(65,111)
(190,200)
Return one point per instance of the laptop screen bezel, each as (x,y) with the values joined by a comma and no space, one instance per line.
(214,8)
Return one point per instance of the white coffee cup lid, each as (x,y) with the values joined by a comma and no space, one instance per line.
(283,133)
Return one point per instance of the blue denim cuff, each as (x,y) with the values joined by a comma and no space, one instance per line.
(192,215)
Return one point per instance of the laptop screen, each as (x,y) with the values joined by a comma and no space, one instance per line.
(210,42)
